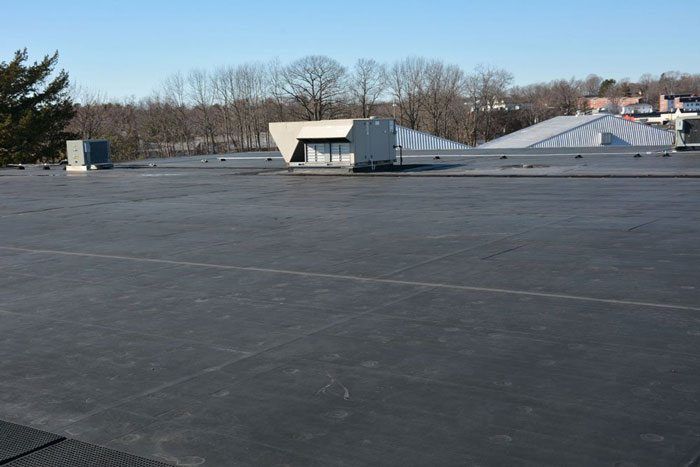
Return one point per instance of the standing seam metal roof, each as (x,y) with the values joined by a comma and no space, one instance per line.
(583,131)
(419,140)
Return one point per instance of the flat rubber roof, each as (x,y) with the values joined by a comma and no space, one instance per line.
(192,317)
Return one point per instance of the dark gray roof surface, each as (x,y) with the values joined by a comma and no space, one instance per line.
(195,317)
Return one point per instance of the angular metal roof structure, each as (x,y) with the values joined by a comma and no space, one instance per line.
(583,131)
(419,140)
(340,131)
(287,135)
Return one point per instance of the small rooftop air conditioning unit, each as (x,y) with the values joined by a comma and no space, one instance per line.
(687,132)
(88,154)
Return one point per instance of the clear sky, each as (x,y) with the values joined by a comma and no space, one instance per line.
(127,47)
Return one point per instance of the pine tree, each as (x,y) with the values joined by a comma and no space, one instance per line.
(34,110)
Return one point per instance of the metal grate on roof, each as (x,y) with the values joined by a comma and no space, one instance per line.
(17,440)
(72,453)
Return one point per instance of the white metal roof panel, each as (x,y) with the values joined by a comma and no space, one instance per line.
(419,140)
(335,131)
(530,136)
(582,131)
(624,133)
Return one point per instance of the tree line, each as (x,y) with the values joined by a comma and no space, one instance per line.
(227,109)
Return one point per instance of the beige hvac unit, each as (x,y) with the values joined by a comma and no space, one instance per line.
(365,142)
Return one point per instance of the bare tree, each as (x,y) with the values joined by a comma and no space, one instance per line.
(123,126)
(591,85)
(649,89)
(249,95)
(367,83)
(668,82)
(231,107)
(443,89)
(90,113)
(316,84)
(159,127)
(175,94)
(689,83)
(486,88)
(407,86)
(223,82)
(276,89)
(201,93)
(536,102)
(565,96)
(241,94)
(253,83)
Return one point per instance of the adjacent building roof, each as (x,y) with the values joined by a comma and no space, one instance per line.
(583,131)
(421,141)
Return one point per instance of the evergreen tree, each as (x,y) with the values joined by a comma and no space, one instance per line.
(605,87)
(34,110)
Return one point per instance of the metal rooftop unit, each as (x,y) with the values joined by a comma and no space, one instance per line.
(88,154)
(336,143)
(351,142)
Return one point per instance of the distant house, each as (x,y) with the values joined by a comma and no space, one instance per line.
(690,103)
(635,109)
(510,106)
(597,104)
(504,106)
(673,102)
(662,118)
(582,131)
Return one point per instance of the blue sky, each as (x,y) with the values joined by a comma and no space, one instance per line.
(126,48)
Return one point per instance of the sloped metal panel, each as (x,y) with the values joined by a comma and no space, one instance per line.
(535,134)
(419,140)
(582,131)
(624,133)
(338,131)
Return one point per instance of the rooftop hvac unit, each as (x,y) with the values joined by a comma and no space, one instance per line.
(688,132)
(605,138)
(352,143)
(88,154)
